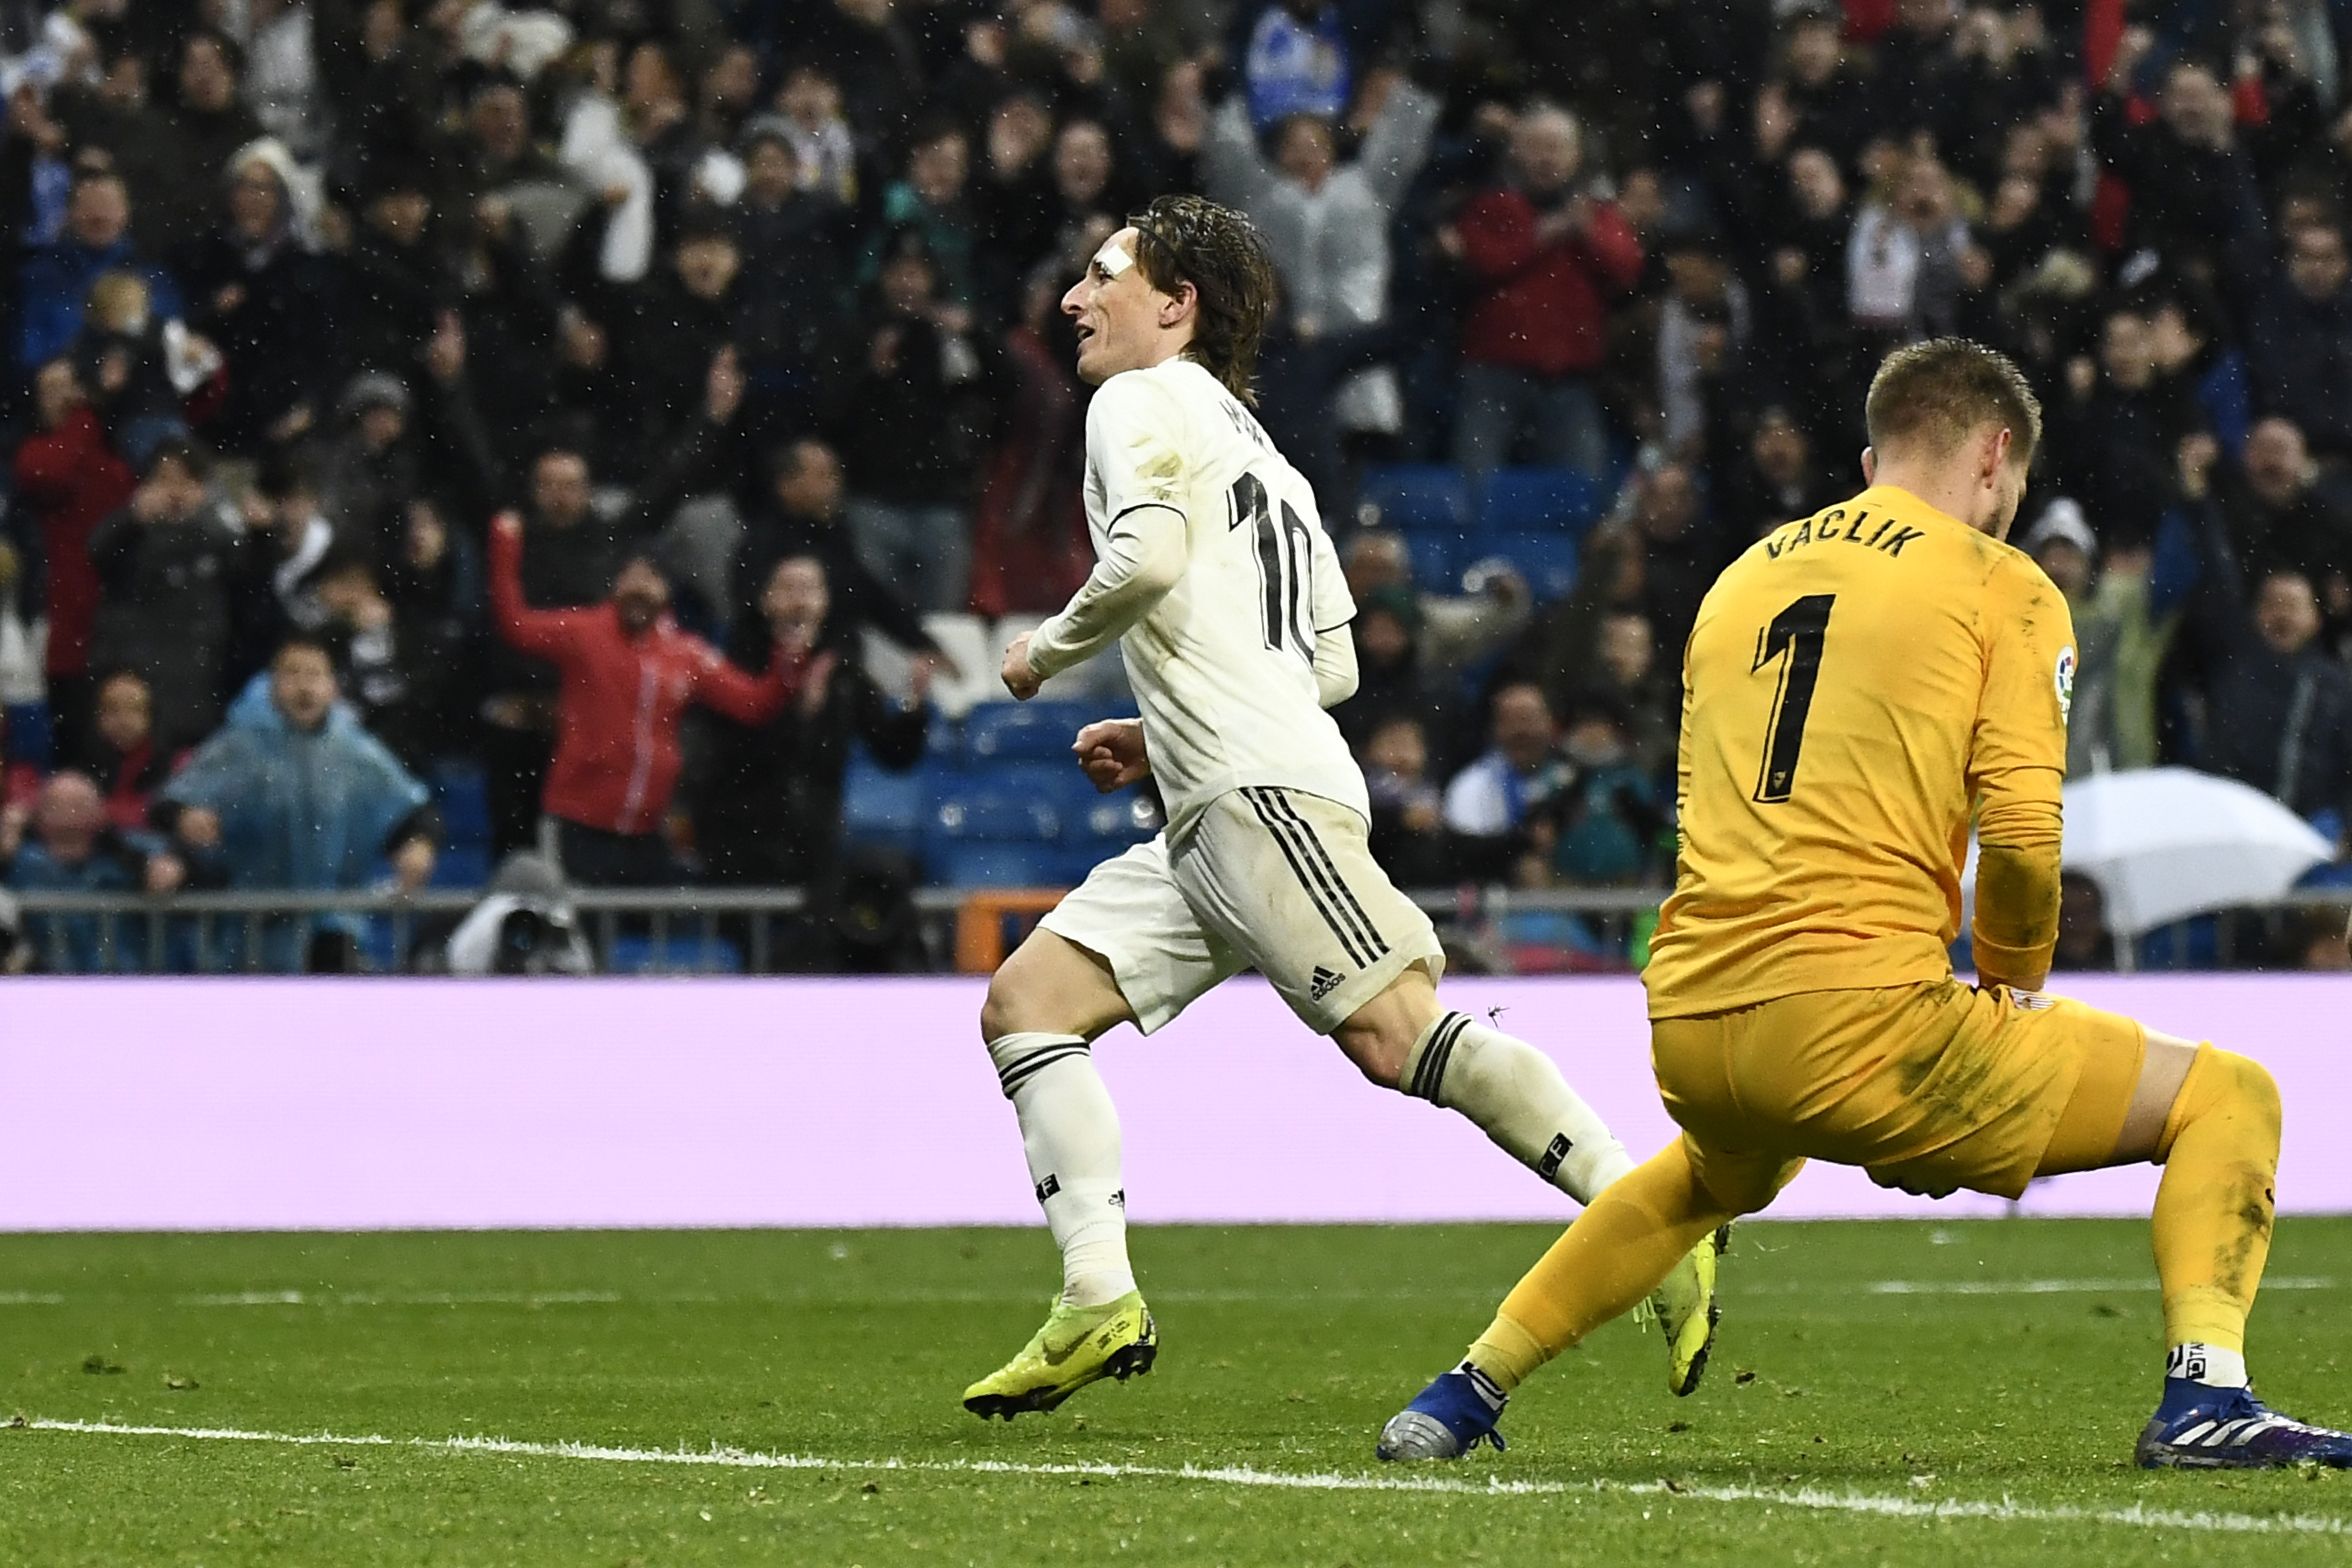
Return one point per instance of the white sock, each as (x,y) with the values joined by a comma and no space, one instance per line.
(1518,1096)
(2208,1365)
(1069,1129)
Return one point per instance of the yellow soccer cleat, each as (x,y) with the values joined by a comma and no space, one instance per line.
(1687,1311)
(1079,1345)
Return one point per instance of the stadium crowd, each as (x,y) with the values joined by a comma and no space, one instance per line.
(742,314)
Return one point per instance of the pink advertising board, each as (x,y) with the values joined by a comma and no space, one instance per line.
(270,1104)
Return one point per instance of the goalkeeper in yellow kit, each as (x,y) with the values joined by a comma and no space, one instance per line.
(1859,685)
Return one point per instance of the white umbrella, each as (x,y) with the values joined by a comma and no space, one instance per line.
(2164,844)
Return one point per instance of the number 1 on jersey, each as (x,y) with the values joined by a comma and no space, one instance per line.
(1798,631)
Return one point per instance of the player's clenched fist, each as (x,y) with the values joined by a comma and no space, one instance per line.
(1111,752)
(1019,678)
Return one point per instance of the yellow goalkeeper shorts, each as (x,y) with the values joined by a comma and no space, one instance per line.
(1930,1088)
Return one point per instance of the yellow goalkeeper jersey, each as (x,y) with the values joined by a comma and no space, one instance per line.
(1856,682)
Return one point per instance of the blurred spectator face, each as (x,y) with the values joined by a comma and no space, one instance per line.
(1698,275)
(2081,921)
(501,122)
(348,590)
(125,86)
(1595,739)
(1815,182)
(256,199)
(939,168)
(1398,747)
(2172,342)
(649,82)
(381,425)
(177,486)
(2299,210)
(56,392)
(207,85)
(125,712)
(1779,449)
(2195,105)
(771,174)
(302,685)
(1925,196)
(809,99)
(2126,352)
(1377,559)
(2286,612)
(1924,16)
(1523,730)
(401,214)
(796,595)
(1669,503)
(1814,51)
(1547,147)
(2277,463)
(2315,261)
(730,85)
(1125,15)
(1641,202)
(1018,133)
(559,488)
(640,594)
(1387,641)
(98,211)
(706,264)
(2025,152)
(1305,153)
(1081,163)
(905,285)
(1627,648)
(2066,565)
(810,483)
(68,815)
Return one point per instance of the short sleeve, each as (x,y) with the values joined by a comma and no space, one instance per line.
(1135,445)
(2018,753)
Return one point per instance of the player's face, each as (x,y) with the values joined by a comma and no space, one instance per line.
(1116,311)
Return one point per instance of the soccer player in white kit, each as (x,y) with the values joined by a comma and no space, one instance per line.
(1215,576)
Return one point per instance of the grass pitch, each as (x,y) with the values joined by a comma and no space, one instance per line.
(1882,1394)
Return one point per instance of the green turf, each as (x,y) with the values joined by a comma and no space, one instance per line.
(1283,1350)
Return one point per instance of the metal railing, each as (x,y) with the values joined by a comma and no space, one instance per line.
(715,930)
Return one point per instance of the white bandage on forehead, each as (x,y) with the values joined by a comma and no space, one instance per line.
(1113,259)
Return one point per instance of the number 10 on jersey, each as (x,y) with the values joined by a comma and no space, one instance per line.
(1794,639)
(1286,558)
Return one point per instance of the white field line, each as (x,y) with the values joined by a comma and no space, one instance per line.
(849,1296)
(1805,1498)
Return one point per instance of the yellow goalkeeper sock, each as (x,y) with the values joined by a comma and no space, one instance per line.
(1615,1254)
(2213,1210)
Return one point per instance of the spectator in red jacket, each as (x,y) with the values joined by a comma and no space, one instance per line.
(628,673)
(1544,254)
(68,478)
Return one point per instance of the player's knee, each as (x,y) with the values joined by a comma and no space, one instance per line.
(2253,1088)
(1004,1011)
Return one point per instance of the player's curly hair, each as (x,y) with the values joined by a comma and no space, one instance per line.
(1935,393)
(1191,240)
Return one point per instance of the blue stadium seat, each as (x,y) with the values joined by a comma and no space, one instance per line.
(24,734)
(1434,552)
(463,795)
(1110,822)
(1417,496)
(1000,866)
(943,742)
(879,806)
(1528,501)
(682,953)
(462,867)
(1023,731)
(1547,561)
(967,830)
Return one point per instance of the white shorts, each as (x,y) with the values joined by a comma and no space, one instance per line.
(1270,878)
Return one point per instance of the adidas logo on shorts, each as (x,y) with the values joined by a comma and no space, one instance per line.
(1324,984)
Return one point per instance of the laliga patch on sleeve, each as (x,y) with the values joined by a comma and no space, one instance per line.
(2065,684)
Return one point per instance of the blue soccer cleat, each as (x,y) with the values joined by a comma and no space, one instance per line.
(2201,1428)
(1447,1419)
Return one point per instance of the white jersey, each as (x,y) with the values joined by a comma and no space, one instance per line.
(1224,664)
